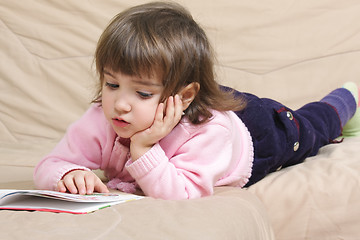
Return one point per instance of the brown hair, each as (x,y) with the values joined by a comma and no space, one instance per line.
(163,37)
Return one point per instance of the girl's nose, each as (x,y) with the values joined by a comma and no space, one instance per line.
(122,105)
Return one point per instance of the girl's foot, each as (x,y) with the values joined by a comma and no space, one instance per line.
(352,127)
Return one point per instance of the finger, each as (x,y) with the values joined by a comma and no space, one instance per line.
(89,183)
(61,186)
(169,114)
(159,115)
(80,183)
(178,107)
(69,184)
(175,113)
(100,187)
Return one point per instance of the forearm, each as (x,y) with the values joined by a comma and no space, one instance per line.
(159,178)
(137,150)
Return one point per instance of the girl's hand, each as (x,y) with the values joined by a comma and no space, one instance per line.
(142,141)
(82,182)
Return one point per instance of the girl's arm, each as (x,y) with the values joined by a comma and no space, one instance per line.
(80,149)
(191,172)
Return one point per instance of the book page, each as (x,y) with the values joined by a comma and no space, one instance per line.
(95,197)
(51,201)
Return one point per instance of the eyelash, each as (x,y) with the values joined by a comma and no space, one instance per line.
(142,95)
(112,85)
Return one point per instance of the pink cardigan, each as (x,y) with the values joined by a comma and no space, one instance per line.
(187,163)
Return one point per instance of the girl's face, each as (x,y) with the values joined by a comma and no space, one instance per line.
(130,102)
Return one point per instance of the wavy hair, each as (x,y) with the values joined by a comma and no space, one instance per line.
(164,37)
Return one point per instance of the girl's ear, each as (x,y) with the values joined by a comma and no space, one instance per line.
(188,94)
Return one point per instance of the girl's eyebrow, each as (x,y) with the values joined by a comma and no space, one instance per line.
(137,81)
(108,73)
(147,83)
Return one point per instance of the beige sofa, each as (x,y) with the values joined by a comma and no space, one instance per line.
(293,51)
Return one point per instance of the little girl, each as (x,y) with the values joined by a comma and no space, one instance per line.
(161,123)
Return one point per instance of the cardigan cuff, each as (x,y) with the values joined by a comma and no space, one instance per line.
(147,162)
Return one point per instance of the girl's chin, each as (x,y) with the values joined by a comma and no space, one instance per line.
(123,134)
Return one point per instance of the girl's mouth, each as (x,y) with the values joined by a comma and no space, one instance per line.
(120,123)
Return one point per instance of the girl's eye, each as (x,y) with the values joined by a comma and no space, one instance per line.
(112,85)
(144,94)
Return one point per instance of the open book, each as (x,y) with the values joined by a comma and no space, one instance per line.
(51,201)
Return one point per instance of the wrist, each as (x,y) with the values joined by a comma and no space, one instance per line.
(72,171)
(136,151)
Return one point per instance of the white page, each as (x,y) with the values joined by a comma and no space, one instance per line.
(59,202)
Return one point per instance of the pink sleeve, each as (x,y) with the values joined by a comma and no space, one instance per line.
(80,148)
(190,173)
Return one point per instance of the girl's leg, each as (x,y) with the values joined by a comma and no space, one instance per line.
(344,103)
(283,137)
